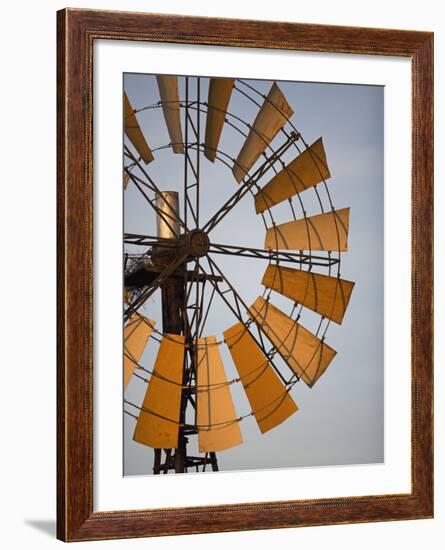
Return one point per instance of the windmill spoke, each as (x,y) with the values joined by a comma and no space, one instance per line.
(244,188)
(247,185)
(148,240)
(198,156)
(272,255)
(192,164)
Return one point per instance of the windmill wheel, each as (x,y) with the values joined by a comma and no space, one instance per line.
(188,392)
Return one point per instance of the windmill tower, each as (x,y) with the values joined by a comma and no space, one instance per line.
(188,393)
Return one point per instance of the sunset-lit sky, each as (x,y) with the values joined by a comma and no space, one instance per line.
(340,420)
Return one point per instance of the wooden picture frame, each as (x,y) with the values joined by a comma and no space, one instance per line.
(77,31)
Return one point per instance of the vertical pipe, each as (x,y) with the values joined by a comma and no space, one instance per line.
(168,223)
(172,288)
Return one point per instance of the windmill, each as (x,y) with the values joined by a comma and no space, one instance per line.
(188,393)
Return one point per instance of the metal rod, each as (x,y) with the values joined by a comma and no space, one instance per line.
(271,255)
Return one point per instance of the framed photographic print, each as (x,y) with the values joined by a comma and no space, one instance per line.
(245,275)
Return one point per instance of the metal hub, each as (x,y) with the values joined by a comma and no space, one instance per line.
(198,243)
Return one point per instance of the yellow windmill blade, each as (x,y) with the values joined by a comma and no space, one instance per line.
(306,355)
(136,334)
(270,119)
(328,296)
(220,91)
(305,171)
(134,132)
(218,428)
(169,93)
(327,231)
(267,395)
(158,422)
